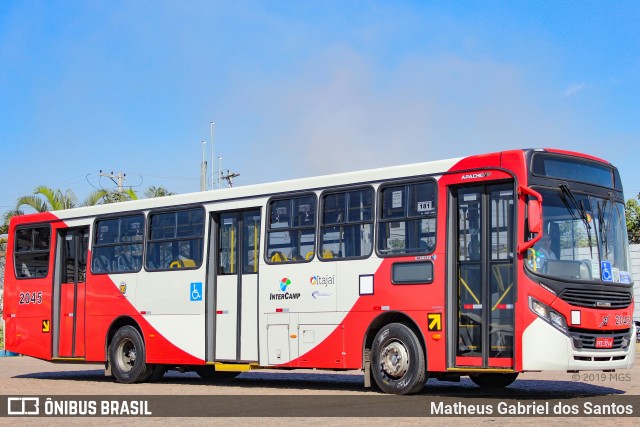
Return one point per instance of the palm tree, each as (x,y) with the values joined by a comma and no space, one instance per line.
(153,191)
(45,199)
(4,227)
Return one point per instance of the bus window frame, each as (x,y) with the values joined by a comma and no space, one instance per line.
(175,209)
(379,220)
(118,216)
(15,251)
(344,190)
(412,282)
(615,175)
(268,229)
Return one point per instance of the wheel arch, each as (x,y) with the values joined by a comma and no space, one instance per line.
(118,323)
(392,317)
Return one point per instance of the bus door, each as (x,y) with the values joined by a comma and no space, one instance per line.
(234,260)
(69,292)
(483,263)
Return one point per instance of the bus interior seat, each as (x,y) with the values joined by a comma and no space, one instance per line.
(101,264)
(278,256)
(182,263)
(125,262)
(326,253)
(25,270)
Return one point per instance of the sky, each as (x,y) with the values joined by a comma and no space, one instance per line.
(304,88)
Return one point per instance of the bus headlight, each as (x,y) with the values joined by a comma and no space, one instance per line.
(548,314)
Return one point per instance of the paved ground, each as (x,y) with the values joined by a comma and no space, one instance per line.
(27,376)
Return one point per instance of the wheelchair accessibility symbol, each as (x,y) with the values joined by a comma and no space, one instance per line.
(196,291)
(605,271)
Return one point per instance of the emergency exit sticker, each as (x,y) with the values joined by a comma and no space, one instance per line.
(434,321)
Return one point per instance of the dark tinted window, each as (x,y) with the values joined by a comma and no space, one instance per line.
(574,169)
(407,221)
(175,239)
(31,255)
(117,245)
(291,231)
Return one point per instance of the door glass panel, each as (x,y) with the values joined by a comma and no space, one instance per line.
(501,273)
(71,253)
(485,253)
(228,248)
(251,241)
(470,297)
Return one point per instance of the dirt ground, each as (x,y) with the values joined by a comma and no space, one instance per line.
(27,376)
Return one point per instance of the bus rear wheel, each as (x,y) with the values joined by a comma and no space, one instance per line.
(127,356)
(398,362)
(493,380)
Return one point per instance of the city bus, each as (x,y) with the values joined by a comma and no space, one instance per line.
(484,266)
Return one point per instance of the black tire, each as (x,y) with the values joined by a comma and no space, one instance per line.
(209,373)
(398,363)
(493,380)
(127,356)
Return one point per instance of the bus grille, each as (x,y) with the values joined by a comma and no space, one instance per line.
(604,300)
(586,339)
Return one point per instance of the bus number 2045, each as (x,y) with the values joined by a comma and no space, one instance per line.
(30,298)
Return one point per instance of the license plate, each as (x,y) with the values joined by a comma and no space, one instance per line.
(604,342)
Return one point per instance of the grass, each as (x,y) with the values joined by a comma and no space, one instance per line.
(1,336)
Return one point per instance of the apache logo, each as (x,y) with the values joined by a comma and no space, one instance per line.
(476,175)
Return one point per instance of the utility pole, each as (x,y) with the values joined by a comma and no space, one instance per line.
(203,170)
(212,127)
(229,177)
(121,177)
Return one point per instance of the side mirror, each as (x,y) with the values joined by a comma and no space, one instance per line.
(534,216)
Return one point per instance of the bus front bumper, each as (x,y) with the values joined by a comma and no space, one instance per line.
(544,348)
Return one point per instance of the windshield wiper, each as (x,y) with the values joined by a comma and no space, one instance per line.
(604,226)
(566,191)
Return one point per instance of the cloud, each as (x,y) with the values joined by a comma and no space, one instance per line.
(344,113)
(573,89)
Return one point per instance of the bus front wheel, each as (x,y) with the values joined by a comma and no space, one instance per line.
(398,362)
(127,356)
(493,380)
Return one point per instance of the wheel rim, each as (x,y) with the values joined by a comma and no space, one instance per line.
(126,355)
(394,359)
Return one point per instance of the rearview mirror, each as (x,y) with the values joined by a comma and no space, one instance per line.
(534,216)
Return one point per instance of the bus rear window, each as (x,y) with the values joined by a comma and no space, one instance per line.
(31,257)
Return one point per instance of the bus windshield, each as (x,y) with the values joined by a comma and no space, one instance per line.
(584,238)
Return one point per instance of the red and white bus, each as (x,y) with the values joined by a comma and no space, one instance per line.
(484,266)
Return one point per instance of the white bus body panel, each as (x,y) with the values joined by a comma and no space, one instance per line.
(544,348)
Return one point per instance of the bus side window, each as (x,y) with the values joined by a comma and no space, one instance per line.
(175,239)
(346,229)
(291,229)
(117,244)
(407,218)
(31,255)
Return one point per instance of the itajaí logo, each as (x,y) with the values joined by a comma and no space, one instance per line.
(284,286)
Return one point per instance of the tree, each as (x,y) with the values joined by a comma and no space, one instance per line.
(152,192)
(45,199)
(115,196)
(632,213)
